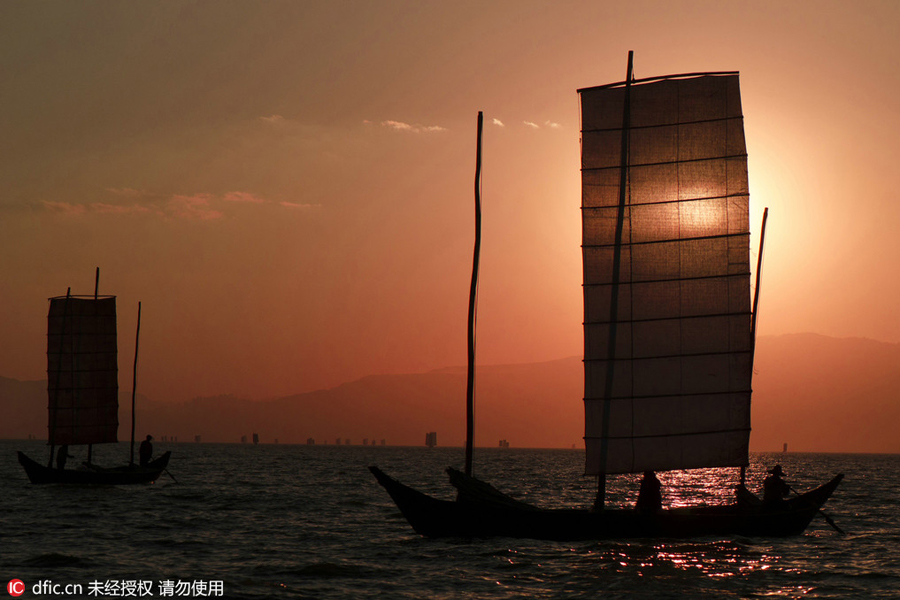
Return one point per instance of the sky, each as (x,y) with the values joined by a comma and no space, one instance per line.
(287,187)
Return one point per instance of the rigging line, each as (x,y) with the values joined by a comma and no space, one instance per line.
(675,240)
(670,280)
(663,163)
(681,395)
(726,197)
(717,315)
(661,78)
(661,125)
(675,435)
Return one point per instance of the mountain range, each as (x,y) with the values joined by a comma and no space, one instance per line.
(812,392)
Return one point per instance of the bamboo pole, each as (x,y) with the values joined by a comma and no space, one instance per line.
(134,380)
(96,294)
(473,298)
(759,258)
(600,501)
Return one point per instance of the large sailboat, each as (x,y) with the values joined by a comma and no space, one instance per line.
(83,393)
(668,326)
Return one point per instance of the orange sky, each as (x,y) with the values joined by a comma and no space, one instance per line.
(287,186)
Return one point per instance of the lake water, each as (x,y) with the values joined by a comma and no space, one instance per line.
(279,521)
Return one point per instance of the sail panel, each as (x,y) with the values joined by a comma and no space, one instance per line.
(82,370)
(667,308)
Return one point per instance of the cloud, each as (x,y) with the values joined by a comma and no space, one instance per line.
(66,208)
(243,197)
(274,119)
(532,125)
(118,209)
(299,206)
(397,125)
(401,126)
(553,125)
(192,207)
(498,123)
(199,206)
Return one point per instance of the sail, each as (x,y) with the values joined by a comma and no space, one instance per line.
(666,274)
(82,370)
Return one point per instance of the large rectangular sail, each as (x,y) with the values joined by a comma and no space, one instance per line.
(666,274)
(82,370)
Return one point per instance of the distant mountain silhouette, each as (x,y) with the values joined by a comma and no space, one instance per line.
(813,392)
(818,393)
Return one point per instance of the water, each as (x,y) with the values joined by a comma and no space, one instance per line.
(275,521)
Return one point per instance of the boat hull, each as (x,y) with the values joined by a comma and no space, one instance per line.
(129,474)
(436,518)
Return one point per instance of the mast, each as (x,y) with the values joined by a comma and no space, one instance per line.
(473,297)
(762,239)
(96,295)
(759,258)
(137,337)
(616,266)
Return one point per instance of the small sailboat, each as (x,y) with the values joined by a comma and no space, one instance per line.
(669,332)
(83,391)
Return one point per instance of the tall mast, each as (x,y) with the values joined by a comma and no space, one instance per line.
(96,295)
(617,257)
(759,258)
(137,337)
(473,297)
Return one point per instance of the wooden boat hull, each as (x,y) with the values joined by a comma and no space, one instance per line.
(435,518)
(38,473)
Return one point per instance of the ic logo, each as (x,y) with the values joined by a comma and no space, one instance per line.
(15,587)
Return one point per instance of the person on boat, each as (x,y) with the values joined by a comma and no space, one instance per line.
(61,456)
(146,451)
(650,497)
(775,488)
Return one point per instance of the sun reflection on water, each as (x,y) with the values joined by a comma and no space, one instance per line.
(718,560)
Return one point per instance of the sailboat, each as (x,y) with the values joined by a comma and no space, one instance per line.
(83,390)
(669,332)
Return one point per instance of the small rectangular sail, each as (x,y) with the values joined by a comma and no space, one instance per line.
(82,370)
(666,275)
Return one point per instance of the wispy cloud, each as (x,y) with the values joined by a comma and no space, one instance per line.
(532,125)
(243,197)
(397,125)
(196,206)
(199,206)
(119,209)
(401,126)
(274,119)
(69,208)
(552,125)
(300,206)
(498,123)
(66,208)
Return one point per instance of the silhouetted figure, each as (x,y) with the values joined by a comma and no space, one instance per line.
(146,451)
(61,456)
(650,497)
(775,489)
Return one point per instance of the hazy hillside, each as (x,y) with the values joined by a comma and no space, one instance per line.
(813,392)
(826,394)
